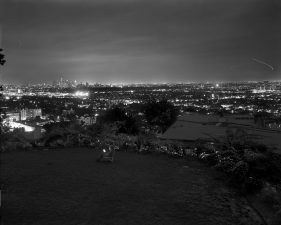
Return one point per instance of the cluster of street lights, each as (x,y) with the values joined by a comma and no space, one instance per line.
(80,93)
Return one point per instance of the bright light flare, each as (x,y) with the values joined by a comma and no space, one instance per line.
(80,93)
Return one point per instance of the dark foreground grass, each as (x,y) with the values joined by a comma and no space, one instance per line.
(66,186)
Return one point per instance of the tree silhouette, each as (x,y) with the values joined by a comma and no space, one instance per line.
(2,115)
(113,115)
(125,123)
(2,61)
(162,113)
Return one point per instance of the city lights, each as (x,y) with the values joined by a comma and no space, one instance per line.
(80,93)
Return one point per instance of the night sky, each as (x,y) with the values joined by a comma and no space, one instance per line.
(139,41)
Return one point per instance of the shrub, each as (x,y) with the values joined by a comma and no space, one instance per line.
(262,148)
(263,166)
(245,161)
(250,184)
(253,158)
(225,166)
(212,159)
(270,195)
(231,154)
(240,171)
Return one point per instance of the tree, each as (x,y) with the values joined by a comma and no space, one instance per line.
(2,61)
(115,114)
(190,109)
(2,115)
(162,113)
(71,117)
(124,122)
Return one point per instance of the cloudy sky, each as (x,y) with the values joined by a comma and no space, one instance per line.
(140,41)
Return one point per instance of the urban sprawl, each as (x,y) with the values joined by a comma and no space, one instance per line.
(234,103)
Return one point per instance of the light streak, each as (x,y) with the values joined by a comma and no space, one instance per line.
(263,63)
(250,63)
(19,42)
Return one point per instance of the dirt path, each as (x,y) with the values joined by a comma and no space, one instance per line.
(68,187)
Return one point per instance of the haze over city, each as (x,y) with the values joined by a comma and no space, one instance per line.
(139,41)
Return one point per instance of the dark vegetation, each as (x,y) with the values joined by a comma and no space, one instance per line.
(125,122)
(2,114)
(2,60)
(247,163)
(162,113)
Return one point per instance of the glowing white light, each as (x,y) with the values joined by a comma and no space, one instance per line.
(79,93)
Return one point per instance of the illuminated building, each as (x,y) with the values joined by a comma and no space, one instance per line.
(13,116)
(30,113)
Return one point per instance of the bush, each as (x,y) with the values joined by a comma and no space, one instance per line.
(246,162)
(270,195)
(212,159)
(262,148)
(263,166)
(225,166)
(250,184)
(240,172)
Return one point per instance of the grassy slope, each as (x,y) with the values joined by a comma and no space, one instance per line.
(67,187)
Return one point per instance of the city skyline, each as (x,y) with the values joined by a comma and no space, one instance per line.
(140,41)
(150,83)
(143,83)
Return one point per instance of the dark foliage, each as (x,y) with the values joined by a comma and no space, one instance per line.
(161,113)
(125,122)
(2,114)
(115,114)
(246,162)
(2,61)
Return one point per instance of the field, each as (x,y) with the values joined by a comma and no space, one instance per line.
(67,186)
(185,130)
